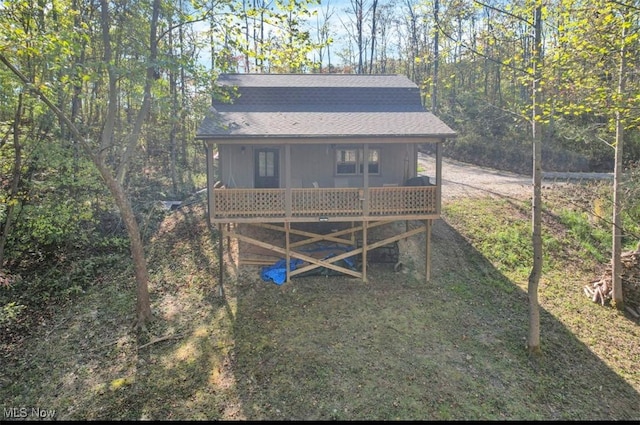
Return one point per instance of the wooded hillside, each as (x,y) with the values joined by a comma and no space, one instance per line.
(97,91)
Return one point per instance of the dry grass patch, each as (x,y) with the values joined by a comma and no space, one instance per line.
(329,348)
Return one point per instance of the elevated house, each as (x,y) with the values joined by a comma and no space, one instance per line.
(321,148)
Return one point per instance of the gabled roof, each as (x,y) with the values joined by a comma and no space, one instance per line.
(320,105)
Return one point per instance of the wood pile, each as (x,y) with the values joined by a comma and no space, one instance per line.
(601,291)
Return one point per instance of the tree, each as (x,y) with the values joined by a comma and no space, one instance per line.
(535,76)
(533,339)
(436,58)
(98,155)
(274,35)
(324,35)
(143,306)
(598,42)
(621,112)
(13,198)
(359,13)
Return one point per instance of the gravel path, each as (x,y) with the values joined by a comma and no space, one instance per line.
(460,179)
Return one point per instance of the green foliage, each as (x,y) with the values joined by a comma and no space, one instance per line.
(287,46)
(54,277)
(10,313)
(508,246)
(61,197)
(328,348)
(504,238)
(588,216)
(594,241)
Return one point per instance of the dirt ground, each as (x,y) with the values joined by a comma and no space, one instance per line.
(460,179)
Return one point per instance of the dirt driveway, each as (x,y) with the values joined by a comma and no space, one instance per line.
(460,179)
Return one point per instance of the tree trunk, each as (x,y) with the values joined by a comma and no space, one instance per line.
(152,73)
(143,303)
(374,19)
(174,119)
(15,180)
(436,59)
(616,263)
(413,40)
(533,340)
(359,22)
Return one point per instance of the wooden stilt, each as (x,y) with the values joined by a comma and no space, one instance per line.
(314,262)
(287,245)
(353,235)
(220,259)
(289,250)
(427,224)
(364,251)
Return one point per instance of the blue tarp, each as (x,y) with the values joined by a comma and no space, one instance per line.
(277,272)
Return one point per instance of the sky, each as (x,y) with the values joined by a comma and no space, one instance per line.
(338,20)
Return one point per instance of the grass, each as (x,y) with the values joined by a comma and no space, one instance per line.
(335,348)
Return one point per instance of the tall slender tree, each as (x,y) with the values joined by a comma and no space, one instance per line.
(533,339)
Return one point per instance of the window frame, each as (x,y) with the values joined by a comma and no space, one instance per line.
(341,153)
(358,164)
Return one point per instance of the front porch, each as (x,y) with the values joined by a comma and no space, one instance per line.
(368,202)
(324,204)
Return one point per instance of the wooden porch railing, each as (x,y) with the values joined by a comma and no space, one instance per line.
(331,203)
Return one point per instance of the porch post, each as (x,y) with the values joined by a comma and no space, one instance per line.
(287,183)
(210,195)
(365,178)
(287,207)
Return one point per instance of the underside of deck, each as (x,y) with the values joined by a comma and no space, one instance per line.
(291,244)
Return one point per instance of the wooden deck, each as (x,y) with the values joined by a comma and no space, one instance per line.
(324,204)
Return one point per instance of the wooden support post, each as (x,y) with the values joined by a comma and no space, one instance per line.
(353,235)
(287,226)
(220,259)
(365,180)
(364,251)
(211,206)
(427,224)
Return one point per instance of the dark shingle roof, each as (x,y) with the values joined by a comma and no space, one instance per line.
(320,105)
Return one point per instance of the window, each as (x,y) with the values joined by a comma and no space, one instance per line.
(374,161)
(266,164)
(350,160)
(346,161)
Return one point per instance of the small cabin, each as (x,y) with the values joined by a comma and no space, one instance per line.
(317,148)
